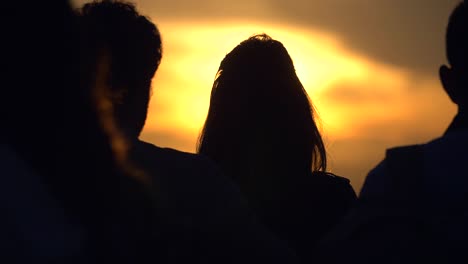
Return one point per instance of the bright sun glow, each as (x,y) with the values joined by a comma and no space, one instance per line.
(364,106)
(193,51)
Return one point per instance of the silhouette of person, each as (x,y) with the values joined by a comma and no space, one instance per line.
(261,131)
(34,226)
(205,218)
(413,205)
(63,198)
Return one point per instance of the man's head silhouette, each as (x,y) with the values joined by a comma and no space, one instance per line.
(133,45)
(455,76)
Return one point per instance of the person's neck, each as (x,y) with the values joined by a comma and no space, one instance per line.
(463,112)
(460,122)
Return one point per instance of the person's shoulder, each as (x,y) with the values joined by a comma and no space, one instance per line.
(333,184)
(190,180)
(379,181)
(165,155)
(376,182)
(174,163)
(330,178)
(22,191)
(448,142)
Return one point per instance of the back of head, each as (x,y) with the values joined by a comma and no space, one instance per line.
(260,115)
(134,46)
(457,37)
(457,49)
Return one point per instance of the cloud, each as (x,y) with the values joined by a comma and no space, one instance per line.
(355,95)
(408,34)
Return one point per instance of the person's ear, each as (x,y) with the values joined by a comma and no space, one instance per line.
(449,82)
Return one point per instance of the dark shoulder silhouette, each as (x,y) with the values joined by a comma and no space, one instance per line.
(261,131)
(413,206)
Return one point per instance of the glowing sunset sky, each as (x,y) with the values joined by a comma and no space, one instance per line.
(369,66)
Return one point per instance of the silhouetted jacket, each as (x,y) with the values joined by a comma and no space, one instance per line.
(444,166)
(206,219)
(303,212)
(33,226)
(437,194)
(413,207)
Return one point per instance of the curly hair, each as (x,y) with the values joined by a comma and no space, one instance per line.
(134,46)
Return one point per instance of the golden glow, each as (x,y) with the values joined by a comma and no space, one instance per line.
(193,51)
(364,106)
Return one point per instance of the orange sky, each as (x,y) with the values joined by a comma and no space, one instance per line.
(366,103)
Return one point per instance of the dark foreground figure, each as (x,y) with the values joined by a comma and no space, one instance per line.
(413,207)
(261,131)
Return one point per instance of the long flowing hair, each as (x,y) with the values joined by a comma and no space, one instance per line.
(260,117)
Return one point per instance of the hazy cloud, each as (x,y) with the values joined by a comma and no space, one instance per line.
(405,33)
(354,94)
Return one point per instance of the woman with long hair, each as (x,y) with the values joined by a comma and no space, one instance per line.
(261,132)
